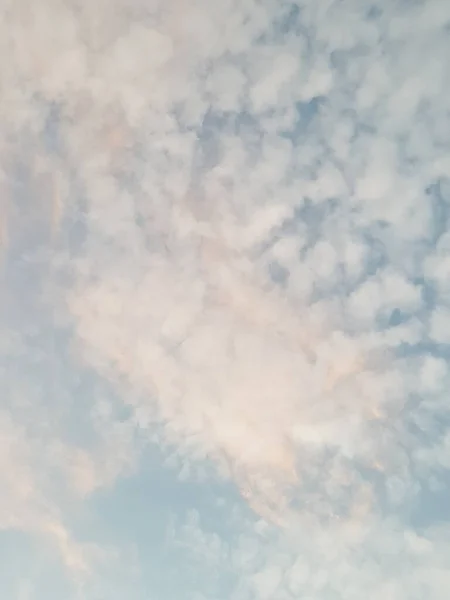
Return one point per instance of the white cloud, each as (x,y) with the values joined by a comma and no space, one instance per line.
(278,69)
(440,325)
(433,374)
(346,557)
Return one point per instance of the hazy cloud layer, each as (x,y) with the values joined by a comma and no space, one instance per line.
(224,236)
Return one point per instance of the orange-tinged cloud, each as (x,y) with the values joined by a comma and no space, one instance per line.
(229,374)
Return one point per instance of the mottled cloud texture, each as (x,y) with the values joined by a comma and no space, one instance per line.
(225,315)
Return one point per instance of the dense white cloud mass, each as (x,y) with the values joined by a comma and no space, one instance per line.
(224,233)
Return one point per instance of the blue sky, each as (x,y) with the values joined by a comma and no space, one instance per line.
(225,300)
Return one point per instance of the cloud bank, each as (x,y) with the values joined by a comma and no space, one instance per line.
(240,216)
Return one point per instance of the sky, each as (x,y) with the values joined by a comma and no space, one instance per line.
(224,300)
